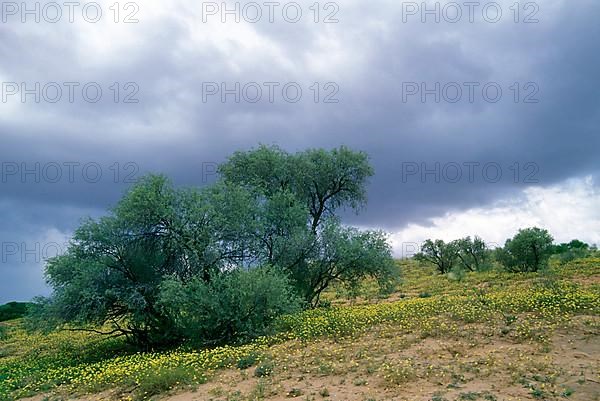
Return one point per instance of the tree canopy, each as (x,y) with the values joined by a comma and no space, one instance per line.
(443,255)
(469,254)
(528,251)
(165,261)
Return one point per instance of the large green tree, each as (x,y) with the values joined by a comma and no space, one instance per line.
(272,212)
(345,255)
(324,181)
(304,193)
(527,251)
(472,253)
(443,255)
(114,268)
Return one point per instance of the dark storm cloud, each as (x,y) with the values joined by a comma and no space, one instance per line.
(170,53)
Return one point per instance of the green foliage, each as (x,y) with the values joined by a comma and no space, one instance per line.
(457,273)
(347,255)
(300,231)
(323,181)
(160,380)
(82,363)
(472,253)
(13,310)
(264,369)
(165,253)
(236,305)
(442,255)
(572,250)
(528,251)
(574,244)
(114,266)
(247,360)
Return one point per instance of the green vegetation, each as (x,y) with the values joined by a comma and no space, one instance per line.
(13,310)
(310,187)
(572,250)
(170,265)
(528,250)
(79,362)
(471,254)
(236,306)
(442,255)
(177,284)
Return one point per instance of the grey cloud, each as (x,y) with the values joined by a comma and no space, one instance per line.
(372,52)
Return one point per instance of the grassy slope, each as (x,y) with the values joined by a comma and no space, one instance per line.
(489,336)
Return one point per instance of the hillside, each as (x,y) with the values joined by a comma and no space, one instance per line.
(486,336)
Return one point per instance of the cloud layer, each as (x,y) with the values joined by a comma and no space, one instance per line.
(432,158)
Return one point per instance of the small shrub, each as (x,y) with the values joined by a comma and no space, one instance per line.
(264,369)
(324,392)
(470,396)
(509,319)
(233,306)
(247,360)
(537,393)
(567,392)
(360,382)
(399,373)
(457,273)
(161,380)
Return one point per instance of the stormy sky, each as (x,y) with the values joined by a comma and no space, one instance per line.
(479,117)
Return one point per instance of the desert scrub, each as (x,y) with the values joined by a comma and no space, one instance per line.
(160,368)
(557,302)
(76,362)
(400,372)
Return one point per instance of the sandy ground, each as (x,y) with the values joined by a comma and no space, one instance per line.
(572,363)
(478,364)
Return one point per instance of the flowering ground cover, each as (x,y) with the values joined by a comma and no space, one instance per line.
(524,307)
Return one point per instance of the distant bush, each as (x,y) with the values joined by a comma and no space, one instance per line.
(573,254)
(458,273)
(13,310)
(234,306)
(575,249)
(528,251)
(471,255)
(442,255)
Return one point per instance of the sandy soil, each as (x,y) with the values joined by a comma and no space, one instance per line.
(493,369)
(478,363)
